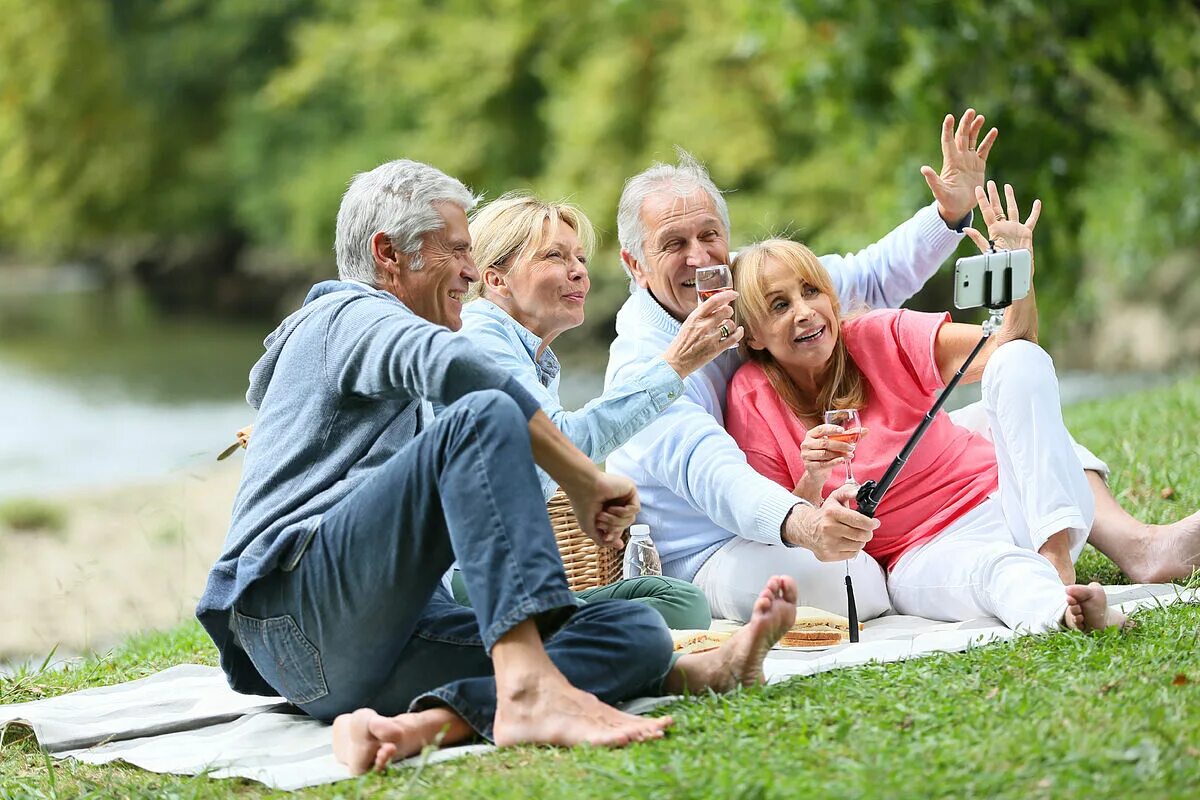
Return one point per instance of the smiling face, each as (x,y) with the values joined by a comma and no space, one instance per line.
(436,290)
(682,234)
(546,289)
(792,316)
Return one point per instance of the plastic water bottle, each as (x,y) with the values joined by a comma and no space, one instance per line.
(641,557)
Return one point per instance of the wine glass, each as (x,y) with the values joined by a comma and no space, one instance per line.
(847,419)
(710,280)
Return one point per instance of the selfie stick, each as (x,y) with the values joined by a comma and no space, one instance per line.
(871,493)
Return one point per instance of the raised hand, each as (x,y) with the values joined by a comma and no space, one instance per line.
(1005,229)
(963,165)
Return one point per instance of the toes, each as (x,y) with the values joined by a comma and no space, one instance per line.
(386,753)
(790,592)
(763,604)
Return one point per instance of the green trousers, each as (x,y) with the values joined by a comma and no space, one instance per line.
(682,605)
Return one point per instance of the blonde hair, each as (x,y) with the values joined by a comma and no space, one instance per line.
(513,226)
(846,387)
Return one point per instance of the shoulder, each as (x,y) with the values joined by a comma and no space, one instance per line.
(750,392)
(896,324)
(478,324)
(749,377)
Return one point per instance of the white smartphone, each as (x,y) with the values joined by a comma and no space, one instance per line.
(983,280)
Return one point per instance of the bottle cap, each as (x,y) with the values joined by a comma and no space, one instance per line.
(639,531)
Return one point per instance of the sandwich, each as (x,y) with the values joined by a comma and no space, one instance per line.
(817,628)
(699,641)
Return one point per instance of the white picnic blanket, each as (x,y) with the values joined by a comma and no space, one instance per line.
(185,720)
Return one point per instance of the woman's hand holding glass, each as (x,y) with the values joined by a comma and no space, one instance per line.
(822,452)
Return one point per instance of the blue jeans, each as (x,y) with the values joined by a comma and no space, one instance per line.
(362,620)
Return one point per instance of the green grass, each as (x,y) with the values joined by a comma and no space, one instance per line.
(1109,715)
(28,515)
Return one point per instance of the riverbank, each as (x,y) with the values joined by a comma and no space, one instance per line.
(126,559)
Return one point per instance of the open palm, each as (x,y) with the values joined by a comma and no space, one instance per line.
(1005,229)
(963,165)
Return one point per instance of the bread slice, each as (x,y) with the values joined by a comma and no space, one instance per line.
(812,638)
(699,641)
(808,617)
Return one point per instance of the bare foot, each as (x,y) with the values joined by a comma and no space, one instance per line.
(1146,553)
(1087,609)
(1172,552)
(546,709)
(366,740)
(738,662)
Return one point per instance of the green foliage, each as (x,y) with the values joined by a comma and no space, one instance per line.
(29,515)
(146,120)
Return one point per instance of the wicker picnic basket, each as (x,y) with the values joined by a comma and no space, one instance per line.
(587,564)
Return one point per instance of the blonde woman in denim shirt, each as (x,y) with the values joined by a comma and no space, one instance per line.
(532,257)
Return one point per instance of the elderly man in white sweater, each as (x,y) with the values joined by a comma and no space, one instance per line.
(717,522)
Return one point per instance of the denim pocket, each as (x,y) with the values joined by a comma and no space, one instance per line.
(283,656)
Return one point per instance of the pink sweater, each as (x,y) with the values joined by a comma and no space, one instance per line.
(950,472)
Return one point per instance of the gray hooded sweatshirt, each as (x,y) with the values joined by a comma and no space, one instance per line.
(338,393)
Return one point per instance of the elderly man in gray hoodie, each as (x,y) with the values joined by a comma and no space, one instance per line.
(355,499)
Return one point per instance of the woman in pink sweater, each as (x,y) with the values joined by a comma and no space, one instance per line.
(971,527)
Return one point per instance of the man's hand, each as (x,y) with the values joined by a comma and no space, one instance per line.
(605,505)
(833,532)
(963,166)
(706,333)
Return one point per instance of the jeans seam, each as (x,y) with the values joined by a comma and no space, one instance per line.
(529,606)
(429,636)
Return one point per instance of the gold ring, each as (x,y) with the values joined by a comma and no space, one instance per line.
(724,332)
(1000,216)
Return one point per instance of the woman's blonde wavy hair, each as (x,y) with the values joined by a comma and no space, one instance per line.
(515,225)
(846,387)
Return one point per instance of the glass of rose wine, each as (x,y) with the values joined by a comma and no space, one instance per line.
(710,280)
(847,419)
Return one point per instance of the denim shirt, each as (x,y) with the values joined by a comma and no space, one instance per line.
(602,425)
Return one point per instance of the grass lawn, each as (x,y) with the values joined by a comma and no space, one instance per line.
(1108,715)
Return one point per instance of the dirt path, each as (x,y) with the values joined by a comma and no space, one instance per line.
(132,558)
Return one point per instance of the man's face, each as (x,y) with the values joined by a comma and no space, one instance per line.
(436,291)
(682,234)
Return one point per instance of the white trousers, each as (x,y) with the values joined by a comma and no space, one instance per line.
(974,417)
(986,562)
(734,576)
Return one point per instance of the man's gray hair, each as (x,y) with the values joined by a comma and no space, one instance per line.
(395,198)
(682,179)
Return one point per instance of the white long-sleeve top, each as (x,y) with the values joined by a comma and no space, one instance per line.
(696,489)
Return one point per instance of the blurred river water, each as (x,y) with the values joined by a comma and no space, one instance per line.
(100,392)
